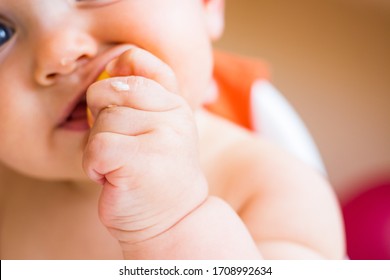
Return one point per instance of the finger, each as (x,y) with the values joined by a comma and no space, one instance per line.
(126,121)
(107,153)
(138,62)
(135,92)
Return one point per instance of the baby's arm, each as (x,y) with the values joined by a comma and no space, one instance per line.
(143,150)
(292,212)
(211,231)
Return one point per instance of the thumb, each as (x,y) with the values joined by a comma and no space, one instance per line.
(138,62)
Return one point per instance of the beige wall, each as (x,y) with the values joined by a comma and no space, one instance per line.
(331,59)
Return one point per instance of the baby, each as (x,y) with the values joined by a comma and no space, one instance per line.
(154,176)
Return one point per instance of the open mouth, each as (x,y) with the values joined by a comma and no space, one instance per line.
(77,118)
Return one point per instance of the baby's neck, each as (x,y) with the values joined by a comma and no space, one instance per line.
(12,180)
(86,187)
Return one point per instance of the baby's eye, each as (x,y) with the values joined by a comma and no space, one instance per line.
(6,33)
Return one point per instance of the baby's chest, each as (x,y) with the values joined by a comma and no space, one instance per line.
(36,232)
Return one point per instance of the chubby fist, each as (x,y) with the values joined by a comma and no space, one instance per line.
(142,148)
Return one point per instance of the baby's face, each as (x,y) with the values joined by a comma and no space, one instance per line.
(52,50)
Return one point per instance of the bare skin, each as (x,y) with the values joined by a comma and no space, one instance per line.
(38,220)
(155,176)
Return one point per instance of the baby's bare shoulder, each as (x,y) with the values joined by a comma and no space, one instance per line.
(241,154)
(238,163)
(278,197)
(290,205)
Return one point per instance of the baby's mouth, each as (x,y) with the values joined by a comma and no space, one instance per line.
(77,118)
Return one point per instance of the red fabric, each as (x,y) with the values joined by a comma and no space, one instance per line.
(235,76)
(367,223)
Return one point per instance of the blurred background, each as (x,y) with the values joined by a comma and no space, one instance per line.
(331,60)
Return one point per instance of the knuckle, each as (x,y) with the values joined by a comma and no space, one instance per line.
(97,151)
(179,101)
(99,142)
(111,112)
(170,136)
(175,102)
(133,53)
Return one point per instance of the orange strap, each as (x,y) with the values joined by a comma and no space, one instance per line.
(235,76)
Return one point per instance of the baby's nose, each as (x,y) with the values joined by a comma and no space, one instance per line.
(61,53)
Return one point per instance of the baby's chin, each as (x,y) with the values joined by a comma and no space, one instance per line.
(52,173)
(41,176)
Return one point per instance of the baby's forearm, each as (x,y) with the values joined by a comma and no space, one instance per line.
(212,231)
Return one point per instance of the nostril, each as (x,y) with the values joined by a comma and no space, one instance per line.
(50,71)
(51,76)
(45,79)
(83,57)
(49,79)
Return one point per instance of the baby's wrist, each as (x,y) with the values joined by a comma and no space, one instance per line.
(211,231)
(149,237)
(155,218)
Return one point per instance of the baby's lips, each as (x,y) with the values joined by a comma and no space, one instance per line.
(90,118)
